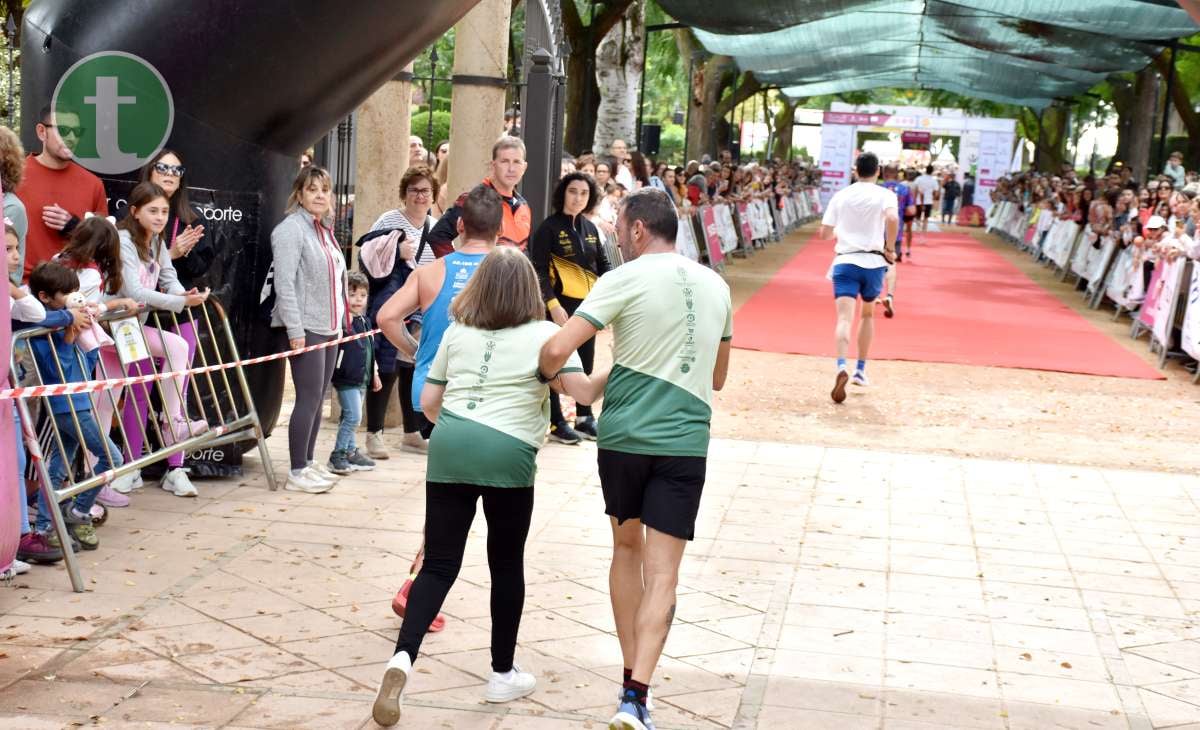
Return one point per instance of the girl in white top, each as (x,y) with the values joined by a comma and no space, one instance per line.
(492,412)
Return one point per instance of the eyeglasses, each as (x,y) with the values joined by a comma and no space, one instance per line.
(163,168)
(421,192)
(64,132)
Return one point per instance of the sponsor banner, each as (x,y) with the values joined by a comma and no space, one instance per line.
(1191,316)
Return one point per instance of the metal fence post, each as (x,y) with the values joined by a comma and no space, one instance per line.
(543,170)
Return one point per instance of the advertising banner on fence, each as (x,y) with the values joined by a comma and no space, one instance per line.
(1191,316)
(1153,301)
(837,155)
(712,237)
(1164,319)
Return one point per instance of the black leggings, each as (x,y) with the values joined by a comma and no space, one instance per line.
(587,353)
(377,400)
(449,511)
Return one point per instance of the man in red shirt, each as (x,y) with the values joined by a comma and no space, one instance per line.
(56,190)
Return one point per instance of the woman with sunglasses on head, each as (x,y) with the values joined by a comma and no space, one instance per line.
(191,257)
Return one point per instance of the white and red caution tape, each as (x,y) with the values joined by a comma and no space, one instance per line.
(92,386)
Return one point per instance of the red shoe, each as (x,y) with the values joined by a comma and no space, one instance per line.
(400,605)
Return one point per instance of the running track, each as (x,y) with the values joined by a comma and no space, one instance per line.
(960,302)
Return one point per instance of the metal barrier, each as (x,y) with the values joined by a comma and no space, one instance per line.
(43,374)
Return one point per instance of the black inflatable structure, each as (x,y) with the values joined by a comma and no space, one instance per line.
(254,83)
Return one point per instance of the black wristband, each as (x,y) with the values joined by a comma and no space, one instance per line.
(543,379)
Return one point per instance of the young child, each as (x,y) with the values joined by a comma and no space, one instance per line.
(52,284)
(23,308)
(355,368)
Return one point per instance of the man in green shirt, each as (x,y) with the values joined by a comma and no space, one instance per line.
(672,324)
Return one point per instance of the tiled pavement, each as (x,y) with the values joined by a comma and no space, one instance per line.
(831,588)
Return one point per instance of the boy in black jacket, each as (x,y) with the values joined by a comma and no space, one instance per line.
(355,368)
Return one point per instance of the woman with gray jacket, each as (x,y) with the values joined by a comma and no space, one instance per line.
(310,304)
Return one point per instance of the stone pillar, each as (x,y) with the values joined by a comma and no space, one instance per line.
(480,71)
(381,148)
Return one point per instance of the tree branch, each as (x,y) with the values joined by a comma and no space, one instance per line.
(747,87)
(1179,96)
(572,23)
(613,12)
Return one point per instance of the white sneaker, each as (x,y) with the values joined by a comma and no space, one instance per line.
(176,482)
(128,482)
(386,709)
(20,567)
(320,477)
(305,481)
(860,379)
(323,472)
(510,686)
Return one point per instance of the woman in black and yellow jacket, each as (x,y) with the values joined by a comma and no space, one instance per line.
(568,257)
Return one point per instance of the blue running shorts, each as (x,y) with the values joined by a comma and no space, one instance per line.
(855,281)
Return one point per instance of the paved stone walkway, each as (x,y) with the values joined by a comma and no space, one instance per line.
(831,588)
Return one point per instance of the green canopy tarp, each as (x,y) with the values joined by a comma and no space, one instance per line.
(1025,52)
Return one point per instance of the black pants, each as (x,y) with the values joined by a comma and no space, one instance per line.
(377,401)
(587,353)
(449,510)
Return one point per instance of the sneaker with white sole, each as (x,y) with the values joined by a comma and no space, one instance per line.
(323,472)
(176,482)
(631,714)
(860,379)
(511,685)
(110,497)
(307,482)
(20,567)
(389,700)
(128,482)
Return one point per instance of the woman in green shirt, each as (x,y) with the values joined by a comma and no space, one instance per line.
(491,411)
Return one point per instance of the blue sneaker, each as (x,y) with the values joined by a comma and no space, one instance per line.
(631,714)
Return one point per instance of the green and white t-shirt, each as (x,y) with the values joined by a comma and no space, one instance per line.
(495,413)
(669,316)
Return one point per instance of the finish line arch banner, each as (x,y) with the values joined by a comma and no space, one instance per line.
(986,148)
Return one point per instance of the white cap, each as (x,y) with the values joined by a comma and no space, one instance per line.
(1156,221)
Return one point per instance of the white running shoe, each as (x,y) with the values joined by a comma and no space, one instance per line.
(512,685)
(176,482)
(323,472)
(307,482)
(128,482)
(20,567)
(860,379)
(389,699)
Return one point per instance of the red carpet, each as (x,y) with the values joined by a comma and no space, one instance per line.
(960,302)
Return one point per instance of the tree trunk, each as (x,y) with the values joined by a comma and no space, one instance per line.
(1051,138)
(785,119)
(583,96)
(1141,129)
(747,86)
(619,60)
(1180,103)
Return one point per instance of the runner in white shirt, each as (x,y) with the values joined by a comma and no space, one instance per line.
(926,185)
(864,218)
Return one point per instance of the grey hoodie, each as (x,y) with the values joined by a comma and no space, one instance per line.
(142,283)
(310,278)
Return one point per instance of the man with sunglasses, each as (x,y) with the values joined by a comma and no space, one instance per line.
(56,190)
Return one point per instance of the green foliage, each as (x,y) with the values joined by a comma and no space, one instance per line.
(441,126)
(421,72)
(666,79)
(670,144)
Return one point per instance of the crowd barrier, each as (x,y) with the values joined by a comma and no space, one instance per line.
(710,234)
(1167,306)
(60,418)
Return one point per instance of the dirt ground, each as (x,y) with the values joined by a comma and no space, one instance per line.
(959,409)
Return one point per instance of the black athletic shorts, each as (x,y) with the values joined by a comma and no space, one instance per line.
(923,211)
(661,491)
